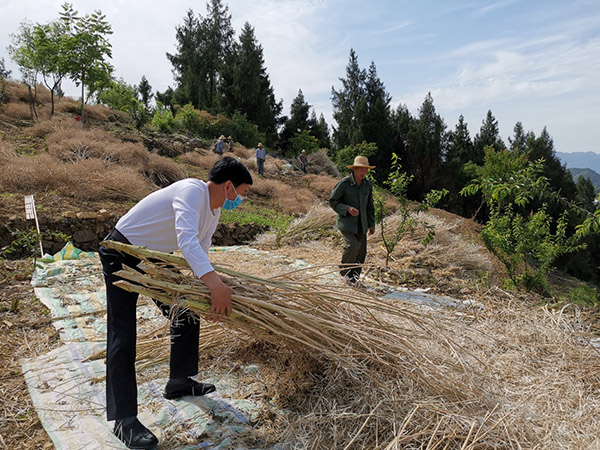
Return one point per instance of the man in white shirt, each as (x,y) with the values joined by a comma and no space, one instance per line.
(182,216)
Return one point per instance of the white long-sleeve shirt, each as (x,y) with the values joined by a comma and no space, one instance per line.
(177,217)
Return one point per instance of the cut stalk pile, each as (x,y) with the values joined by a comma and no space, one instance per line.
(395,375)
(345,325)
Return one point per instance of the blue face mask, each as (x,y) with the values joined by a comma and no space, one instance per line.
(232,204)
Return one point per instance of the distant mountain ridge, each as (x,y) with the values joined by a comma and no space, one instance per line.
(581,160)
(593,176)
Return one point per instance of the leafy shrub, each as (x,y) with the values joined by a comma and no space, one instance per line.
(163,119)
(190,119)
(346,155)
(26,242)
(302,141)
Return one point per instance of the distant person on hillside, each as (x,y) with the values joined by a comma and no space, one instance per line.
(220,146)
(230,143)
(303,161)
(182,216)
(261,155)
(352,200)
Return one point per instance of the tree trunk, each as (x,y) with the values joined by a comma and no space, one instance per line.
(82,98)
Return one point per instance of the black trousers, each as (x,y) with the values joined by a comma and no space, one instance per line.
(121,386)
(355,252)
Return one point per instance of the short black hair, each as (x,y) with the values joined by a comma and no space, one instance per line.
(229,169)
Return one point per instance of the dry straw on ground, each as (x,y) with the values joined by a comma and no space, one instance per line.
(385,374)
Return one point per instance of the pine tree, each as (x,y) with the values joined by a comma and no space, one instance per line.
(559,177)
(320,130)
(459,153)
(187,64)
(586,193)
(489,135)
(376,125)
(518,143)
(204,46)
(297,122)
(4,74)
(145,91)
(249,89)
(426,145)
(348,104)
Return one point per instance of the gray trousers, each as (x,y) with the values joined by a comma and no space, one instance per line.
(355,252)
(261,166)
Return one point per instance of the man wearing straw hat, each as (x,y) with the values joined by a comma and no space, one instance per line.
(182,216)
(352,200)
(261,155)
(220,146)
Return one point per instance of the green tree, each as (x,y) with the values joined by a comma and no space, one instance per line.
(346,155)
(188,68)
(320,130)
(407,214)
(23,52)
(89,48)
(250,91)
(489,135)
(348,104)
(302,141)
(527,240)
(586,193)
(297,122)
(51,45)
(204,46)
(559,177)
(459,152)
(518,143)
(376,123)
(426,144)
(123,97)
(4,73)
(144,90)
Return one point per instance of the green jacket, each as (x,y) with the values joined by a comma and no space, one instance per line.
(347,193)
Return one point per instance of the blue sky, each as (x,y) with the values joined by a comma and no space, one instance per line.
(537,62)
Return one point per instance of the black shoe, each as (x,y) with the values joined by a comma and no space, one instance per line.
(135,436)
(190,387)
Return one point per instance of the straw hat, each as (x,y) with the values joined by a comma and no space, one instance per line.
(222,137)
(260,144)
(229,137)
(360,161)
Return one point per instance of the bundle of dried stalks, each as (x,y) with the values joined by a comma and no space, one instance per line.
(318,222)
(392,376)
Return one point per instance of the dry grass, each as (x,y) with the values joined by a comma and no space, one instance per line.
(86,164)
(319,162)
(203,159)
(89,179)
(361,372)
(57,123)
(16,92)
(20,111)
(322,184)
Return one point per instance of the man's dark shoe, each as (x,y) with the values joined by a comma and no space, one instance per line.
(136,435)
(190,387)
